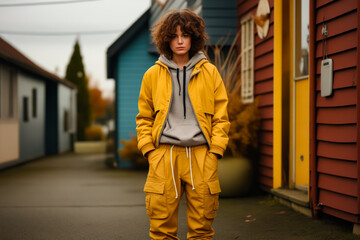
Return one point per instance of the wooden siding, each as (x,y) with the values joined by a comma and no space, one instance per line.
(263,89)
(336,121)
(156,11)
(219,16)
(220,19)
(132,63)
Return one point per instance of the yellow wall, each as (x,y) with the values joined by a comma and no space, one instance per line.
(278,52)
(9,141)
(281,92)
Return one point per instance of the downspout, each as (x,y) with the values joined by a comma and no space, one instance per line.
(312,75)
(358,105)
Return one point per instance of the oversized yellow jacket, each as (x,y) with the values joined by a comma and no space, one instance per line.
(208,97)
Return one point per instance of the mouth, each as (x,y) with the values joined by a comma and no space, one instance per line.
(180,48)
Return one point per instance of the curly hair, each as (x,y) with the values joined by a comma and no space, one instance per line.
(189,23)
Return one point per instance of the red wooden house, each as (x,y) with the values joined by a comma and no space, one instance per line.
(310,132)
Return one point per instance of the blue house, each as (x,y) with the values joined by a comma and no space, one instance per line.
(127,60)
(133,53)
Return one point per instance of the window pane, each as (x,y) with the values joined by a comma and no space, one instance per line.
(301,38)
(66,120)
(11,94)
(34,103)
(25,109)
(7,81)
(1,94)
(247,45)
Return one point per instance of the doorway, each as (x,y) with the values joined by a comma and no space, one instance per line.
(300,97)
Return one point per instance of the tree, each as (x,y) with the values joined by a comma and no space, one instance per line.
(75,73)
(98,103)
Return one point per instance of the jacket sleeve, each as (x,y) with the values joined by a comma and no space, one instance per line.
(145,117)
(220,122)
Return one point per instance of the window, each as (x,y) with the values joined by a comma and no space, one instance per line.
(72,112)
(25,109)
(247,61)
(301,32)
(66,121)
(7,93)
(34,103)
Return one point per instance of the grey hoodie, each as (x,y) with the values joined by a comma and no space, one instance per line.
(181,126)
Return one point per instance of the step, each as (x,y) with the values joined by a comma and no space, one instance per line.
(296,199)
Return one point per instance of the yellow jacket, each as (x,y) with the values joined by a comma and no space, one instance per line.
(208,97)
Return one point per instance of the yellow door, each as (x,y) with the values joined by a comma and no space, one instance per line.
(301,156)
(300,98)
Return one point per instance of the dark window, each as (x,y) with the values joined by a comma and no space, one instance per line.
(11,94)
(34,103)
(66,120)
(1,94)
(25,109)
(7,81)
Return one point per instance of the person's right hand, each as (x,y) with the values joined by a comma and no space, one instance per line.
(148,154)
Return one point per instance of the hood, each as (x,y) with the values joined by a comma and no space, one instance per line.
(190,64)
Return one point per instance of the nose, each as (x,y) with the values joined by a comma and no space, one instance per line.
(180,40)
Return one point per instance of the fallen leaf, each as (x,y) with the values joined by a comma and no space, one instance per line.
(250,220)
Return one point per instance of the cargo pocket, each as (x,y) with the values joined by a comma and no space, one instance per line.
(212,199)
(157,165)
(156,207)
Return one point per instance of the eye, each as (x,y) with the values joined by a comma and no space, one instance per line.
(172,36)
(186,35)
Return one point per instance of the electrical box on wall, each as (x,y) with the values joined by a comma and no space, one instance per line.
(326,77)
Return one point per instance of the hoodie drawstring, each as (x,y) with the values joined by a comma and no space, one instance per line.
(184,87)
(188,155)
(172,170)
(184,96)
(178,80)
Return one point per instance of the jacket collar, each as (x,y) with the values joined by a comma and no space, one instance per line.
(196,67)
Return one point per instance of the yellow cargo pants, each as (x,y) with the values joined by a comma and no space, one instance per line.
(172,171)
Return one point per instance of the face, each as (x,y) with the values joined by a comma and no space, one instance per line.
(180,44)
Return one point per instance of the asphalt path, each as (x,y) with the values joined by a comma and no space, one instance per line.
(72,196)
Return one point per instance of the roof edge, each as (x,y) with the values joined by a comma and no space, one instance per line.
(124,38)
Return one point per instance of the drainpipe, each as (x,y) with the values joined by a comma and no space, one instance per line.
(313,160)
(358,104)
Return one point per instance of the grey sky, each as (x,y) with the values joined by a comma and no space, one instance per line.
(53,52)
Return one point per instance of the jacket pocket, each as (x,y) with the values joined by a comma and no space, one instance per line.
(157,126)
(211,200)
(156,207)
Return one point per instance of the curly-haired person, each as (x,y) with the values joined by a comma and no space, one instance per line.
(182,128)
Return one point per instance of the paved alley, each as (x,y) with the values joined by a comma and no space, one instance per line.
(77,197)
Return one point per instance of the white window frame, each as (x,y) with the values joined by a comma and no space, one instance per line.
(247,59)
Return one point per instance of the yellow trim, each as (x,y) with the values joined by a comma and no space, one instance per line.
(291,96)
(277,134)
